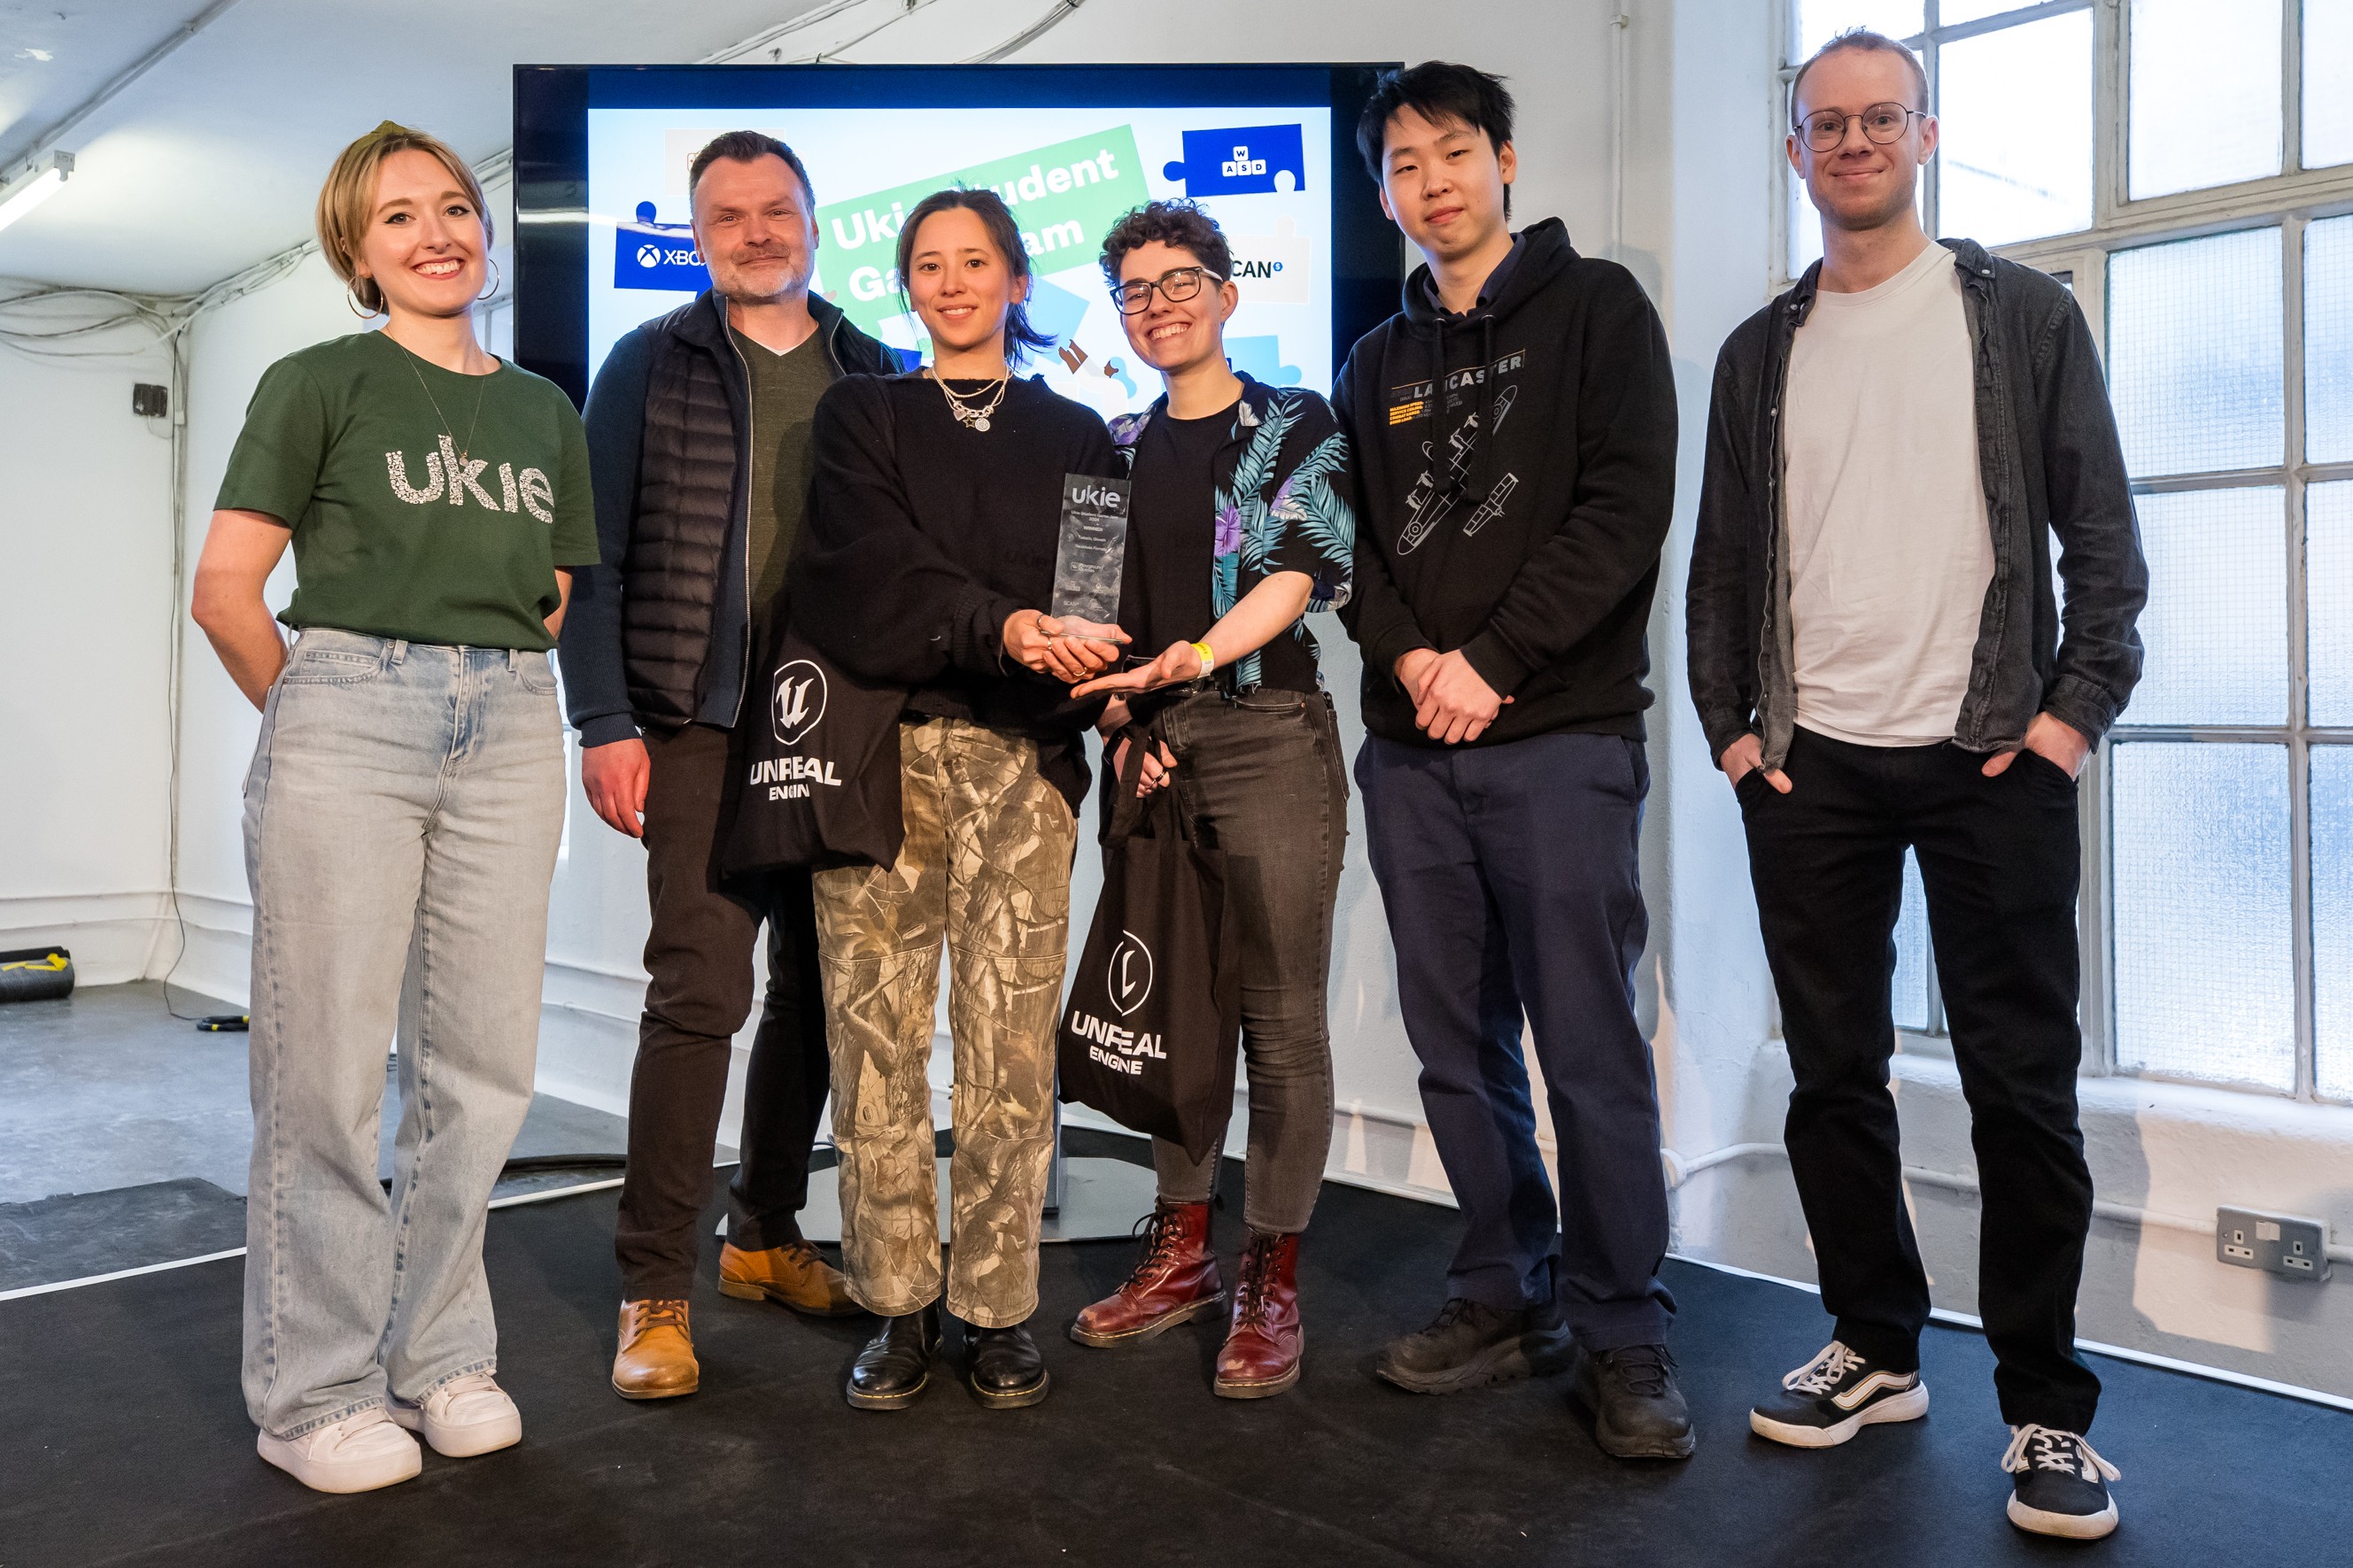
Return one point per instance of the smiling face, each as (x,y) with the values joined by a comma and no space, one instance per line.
(1173,339)
(1860,184)
(958,283)
(755,226)
(425,245)
(1444,183)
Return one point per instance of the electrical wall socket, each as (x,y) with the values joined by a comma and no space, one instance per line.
(2290,1246)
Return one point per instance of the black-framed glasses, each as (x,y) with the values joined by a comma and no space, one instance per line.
(1176,285)
(1825,128)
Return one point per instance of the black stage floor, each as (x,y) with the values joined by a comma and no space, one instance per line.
(122,1440)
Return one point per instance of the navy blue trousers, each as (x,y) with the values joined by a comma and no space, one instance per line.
(1513,885)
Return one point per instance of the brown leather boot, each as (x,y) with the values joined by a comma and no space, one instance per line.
(656,1360)
(1263,1346)
(1175,1280)
(796,1274)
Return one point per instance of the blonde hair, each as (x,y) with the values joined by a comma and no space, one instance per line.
(347,201)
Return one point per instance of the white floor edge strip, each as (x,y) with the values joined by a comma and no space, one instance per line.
(2121,1352)
(514,1201)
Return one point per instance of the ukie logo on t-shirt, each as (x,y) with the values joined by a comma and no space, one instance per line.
(448,478)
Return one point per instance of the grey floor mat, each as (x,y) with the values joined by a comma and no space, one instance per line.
(77,1234)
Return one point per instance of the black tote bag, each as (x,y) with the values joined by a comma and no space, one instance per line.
(815,779)
(1153,1021)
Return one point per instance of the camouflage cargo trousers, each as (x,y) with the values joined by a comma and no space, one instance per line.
(987,867)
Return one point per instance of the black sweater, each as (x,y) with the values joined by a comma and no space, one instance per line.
(1515,469)
(923,535)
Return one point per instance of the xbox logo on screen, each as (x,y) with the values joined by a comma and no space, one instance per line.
(649,256)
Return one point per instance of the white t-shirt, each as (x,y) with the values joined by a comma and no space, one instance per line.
(1890,547)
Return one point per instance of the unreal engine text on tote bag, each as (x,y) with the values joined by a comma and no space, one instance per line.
(816,780)
(1151,1025)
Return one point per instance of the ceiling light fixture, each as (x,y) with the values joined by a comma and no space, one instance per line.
(27,194)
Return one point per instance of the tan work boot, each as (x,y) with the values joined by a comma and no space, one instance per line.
(656,1360)
(796,1274)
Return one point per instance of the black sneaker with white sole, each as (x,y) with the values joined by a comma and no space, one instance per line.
(1835,1395)
(2060,1485)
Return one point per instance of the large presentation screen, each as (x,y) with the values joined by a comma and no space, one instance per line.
(606,240)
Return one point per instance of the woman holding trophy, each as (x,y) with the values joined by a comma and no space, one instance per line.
(1237,528)
(934,517)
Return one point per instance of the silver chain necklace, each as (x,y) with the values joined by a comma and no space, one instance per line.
(965,414)
(451,435)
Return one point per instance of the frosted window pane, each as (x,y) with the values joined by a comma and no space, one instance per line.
(2328,598)
(1910,992)
(1818,21)
(2327,68)
(2216,625)
(2015,108)
(1953,12)
(2205,94)
(2332,919)
(1805,228)
(2328,339)
(2205,976)
(2194,332)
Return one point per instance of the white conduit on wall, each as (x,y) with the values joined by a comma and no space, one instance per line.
(1680,1169)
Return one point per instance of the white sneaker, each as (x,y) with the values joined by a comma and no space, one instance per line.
(357,1454)
(463,1418)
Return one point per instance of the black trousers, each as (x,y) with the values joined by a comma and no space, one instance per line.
(1999,857)
(699,955)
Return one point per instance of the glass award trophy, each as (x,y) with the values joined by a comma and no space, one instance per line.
(1094,550)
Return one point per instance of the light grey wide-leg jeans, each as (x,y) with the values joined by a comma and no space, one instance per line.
(401,823)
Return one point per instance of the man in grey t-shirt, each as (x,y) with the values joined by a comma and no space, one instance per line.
(1879,664)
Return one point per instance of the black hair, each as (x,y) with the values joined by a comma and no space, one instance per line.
(1178,223)
(748,147)
(1438,90)
(1868,42)
(1020,337)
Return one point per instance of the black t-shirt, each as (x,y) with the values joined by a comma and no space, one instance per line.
(1171,590)
(1172,531)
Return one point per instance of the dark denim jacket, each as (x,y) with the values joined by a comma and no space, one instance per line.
(2048,453)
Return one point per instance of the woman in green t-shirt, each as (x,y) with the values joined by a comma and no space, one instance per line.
(401,818)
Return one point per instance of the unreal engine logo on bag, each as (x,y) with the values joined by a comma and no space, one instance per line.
(796,708)
(1127,985)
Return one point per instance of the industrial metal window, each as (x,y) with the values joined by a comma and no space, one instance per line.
(2187,167)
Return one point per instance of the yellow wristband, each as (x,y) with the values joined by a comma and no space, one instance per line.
(1209,660)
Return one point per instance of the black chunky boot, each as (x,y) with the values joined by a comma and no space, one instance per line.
(1004,1367)
(893,1368)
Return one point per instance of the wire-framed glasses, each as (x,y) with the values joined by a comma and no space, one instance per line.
(1824,128)
(1176,285)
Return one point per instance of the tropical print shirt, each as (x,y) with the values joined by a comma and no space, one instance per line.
(1281,491)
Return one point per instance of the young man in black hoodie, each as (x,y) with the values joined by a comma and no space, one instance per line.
(1515,427)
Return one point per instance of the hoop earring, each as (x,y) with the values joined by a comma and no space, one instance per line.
(497,281)
(357,306)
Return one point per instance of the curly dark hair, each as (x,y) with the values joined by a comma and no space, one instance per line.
(1021,339)
(1177,223)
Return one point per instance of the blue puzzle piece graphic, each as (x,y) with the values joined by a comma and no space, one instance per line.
(650,255)
(1260,359)
(1243,159)
(1053,309)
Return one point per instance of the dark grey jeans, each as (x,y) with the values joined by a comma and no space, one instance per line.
(1261,779)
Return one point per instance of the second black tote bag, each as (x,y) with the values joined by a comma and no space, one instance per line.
(1153,1021)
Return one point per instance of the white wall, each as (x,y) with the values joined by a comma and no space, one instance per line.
(84,622)
(1696,224)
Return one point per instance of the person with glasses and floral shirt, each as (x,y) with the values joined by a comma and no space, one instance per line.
(1237,528)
